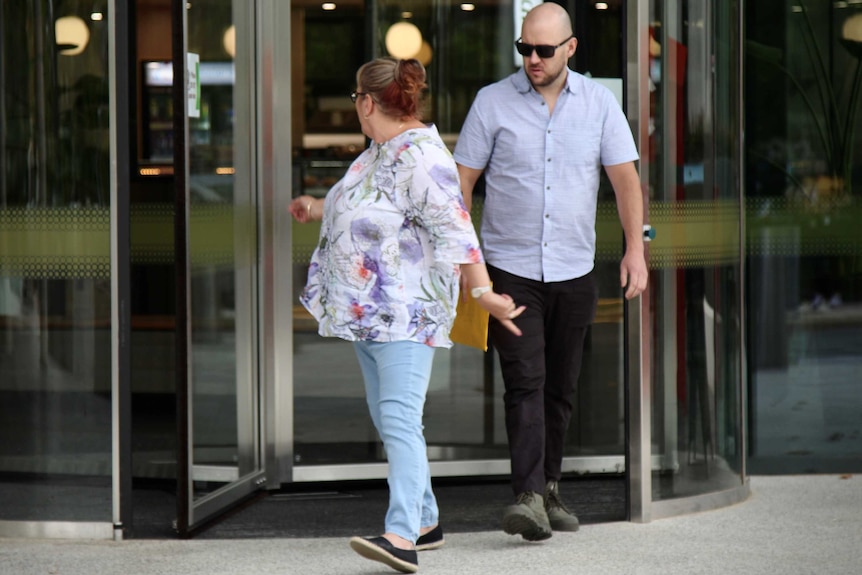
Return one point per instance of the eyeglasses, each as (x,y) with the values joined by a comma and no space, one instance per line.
(355,95)
(543,50)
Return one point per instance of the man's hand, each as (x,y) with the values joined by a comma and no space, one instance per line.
(633,274)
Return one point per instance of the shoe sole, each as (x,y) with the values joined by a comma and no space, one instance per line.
(565,527)
(430,546)
(375,553)
(525,527)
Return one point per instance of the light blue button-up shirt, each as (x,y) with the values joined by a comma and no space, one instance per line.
(542,172)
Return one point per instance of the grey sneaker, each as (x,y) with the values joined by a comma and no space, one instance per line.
(559,516)
(527,518)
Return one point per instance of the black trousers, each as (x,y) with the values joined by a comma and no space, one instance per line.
(540,370)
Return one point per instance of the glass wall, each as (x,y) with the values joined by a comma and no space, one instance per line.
(55,263)
(695,259)
(803,162)
(55,285)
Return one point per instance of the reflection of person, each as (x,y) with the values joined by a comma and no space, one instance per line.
(541,136)
(385,275)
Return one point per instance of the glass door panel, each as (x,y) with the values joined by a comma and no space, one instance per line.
(597,429)
(695,207)
(225,461)
(463,48)
(330,420)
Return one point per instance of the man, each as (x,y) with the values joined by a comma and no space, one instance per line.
(542,136)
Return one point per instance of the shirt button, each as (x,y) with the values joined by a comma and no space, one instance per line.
(546,244)
(547,215)
(549,159)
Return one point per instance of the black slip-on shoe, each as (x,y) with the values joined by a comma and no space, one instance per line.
(431,540)
(380,549)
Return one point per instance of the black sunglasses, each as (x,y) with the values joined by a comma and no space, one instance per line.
(354,95)
(543,50)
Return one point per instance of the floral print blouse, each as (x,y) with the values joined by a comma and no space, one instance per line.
(394,230)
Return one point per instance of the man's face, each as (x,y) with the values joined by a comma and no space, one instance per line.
(546,71)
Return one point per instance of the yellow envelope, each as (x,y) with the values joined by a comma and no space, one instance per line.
(471,324)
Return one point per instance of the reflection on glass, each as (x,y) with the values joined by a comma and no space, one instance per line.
(696,285)
(221,248)
(55,296)
(803,188)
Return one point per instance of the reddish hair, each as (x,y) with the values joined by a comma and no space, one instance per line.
(396,85)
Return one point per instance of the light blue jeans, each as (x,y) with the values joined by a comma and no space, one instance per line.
(396,381)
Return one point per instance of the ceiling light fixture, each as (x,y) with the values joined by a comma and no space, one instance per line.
(229,41)
(71,35)
(403,40)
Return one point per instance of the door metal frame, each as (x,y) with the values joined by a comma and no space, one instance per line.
(184,519)
(637,315)
(274,166)
(121,275)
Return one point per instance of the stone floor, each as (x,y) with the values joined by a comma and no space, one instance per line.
(793,525)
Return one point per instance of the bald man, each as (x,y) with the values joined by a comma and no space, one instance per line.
(542,136)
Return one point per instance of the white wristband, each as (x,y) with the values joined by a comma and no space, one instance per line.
(478,292)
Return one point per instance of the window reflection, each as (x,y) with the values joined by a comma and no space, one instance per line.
(55,297)
(696,283)
(802,179)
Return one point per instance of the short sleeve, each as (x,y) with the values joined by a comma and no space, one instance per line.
(473,148)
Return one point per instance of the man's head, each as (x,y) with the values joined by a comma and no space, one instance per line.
(547,44)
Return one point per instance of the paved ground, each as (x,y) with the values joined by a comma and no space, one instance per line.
(790,525)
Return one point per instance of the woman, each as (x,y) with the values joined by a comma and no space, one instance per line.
(395,238)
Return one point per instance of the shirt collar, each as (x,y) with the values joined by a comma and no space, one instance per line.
(394,146)
(522,83)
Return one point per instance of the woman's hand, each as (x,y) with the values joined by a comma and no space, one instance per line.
(503,308)
(305,209)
